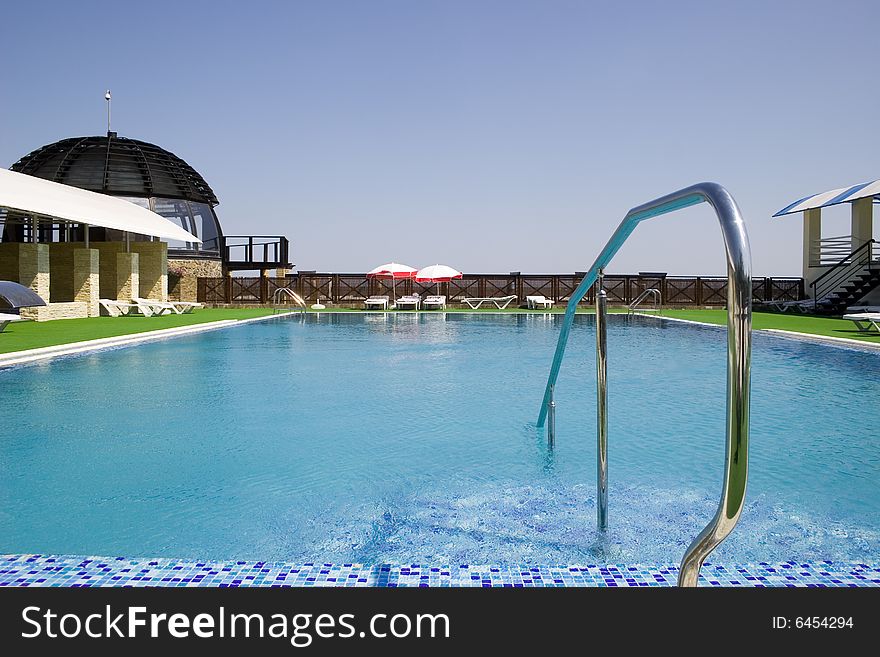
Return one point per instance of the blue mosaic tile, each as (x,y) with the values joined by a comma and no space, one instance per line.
(71,571)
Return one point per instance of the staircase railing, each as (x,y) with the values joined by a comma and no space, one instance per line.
(842,271)
(739,340)
(829,250)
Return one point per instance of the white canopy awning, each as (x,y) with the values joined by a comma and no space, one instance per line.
(35,196)
(835,196)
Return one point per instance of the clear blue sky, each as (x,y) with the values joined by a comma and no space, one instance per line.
(488,135)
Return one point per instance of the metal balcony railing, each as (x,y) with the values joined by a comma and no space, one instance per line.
(245,252)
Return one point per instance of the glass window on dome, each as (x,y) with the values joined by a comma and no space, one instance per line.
(177,211)
(137,200)
(205,225)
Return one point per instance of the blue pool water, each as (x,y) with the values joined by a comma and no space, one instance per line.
(375,438)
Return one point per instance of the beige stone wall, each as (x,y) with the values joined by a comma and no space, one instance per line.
(127,276)
(107,267)
(186,289)
(27,264)
(67,310)
(119,273)
(38,262)
(61,270)
(85,278)
(9,261)
(74,274)
(152,269)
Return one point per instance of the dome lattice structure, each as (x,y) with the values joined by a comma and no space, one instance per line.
(146,175)
(118,166)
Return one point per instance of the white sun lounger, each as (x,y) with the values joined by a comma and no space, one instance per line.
(802,306)
(538,301)
(6,318)
(866,322)
(185,307)
(119,308)
(434,301)
(409,301)
(157,307)
(377,301)
(500,302)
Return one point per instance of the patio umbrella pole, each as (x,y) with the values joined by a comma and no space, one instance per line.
(437,274)
(392,270)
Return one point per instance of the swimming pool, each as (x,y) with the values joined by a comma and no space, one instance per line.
(396,439)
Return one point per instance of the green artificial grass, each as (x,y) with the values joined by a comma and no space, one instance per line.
(827,326)
(33,335)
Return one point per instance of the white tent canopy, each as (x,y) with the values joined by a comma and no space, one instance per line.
(834,197)
(35,196)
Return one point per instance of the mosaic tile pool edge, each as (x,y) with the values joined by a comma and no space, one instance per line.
(29,570)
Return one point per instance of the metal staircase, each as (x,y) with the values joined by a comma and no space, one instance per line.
(847,281)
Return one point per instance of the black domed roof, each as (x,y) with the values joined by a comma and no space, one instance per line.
(118,166)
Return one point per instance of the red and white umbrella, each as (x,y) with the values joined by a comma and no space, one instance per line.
(394,271)
(437,274)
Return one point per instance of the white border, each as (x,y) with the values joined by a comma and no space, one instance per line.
(827,340)
(28,356)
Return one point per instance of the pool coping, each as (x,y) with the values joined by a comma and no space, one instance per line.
(828,340)
(30,356)
(27,356)
(32,570)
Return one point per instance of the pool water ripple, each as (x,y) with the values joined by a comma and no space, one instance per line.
(411,439)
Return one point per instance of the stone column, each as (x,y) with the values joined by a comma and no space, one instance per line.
(61,270)
(264,286)
(127,279)
(812,234)
(35,261)
(107,263)
(189,287)
(152,269)
(86,278)
(27,264)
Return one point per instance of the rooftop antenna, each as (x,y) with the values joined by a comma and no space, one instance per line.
(108,98)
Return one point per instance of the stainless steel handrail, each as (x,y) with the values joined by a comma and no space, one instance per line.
(290,294)
(739,339)
(655,295)
(601,406)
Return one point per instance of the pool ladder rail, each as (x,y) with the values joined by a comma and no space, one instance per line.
(739,350)
(285,293)
(655,295)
